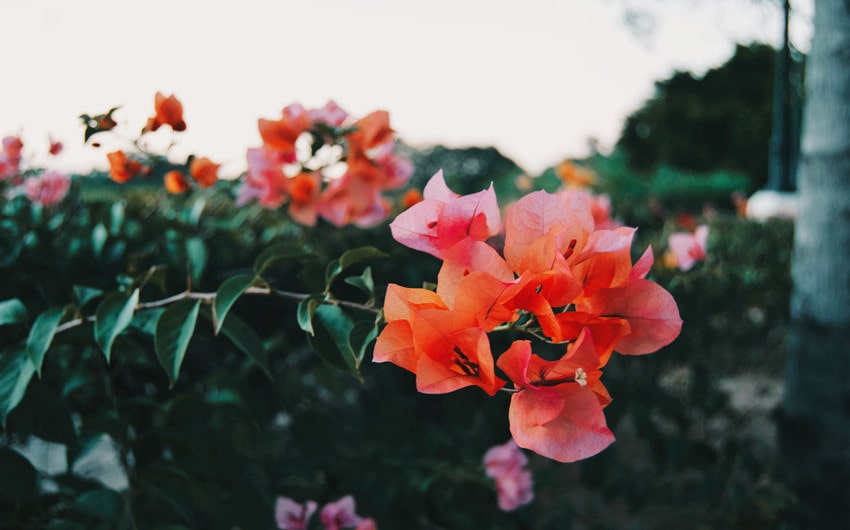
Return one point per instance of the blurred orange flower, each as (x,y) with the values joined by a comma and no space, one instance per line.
(121,168)
(574,175)
(411,197)
(204,171)
(169,111)
(176,182)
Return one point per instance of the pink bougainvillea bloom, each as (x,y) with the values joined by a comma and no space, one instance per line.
(265,181)
(49,188)
(10,157)
(689,248)
(353,200)
(367,524)
(330,114)
(444,218)
(506,464)
(340,514)
(557,410)
(289,515)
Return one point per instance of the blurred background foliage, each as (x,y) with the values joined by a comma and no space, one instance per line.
(696,440)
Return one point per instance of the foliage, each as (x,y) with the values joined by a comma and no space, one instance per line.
(719,121)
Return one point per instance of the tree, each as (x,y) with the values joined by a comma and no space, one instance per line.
(815,427)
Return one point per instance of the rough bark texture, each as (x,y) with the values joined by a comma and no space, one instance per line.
(815,426)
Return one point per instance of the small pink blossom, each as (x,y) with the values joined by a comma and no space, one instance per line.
(10,157)
(340,514)
(689,248)
(331,114)
(506,464)
(290,515)
(444,218)
(48,188)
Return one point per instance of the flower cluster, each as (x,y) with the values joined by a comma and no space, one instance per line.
(506,464)
(168,111)
(338,515)
(47,187)
(558,279)
(324,163)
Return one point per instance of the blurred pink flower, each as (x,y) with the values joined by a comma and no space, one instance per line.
(49,188)
(506,464)
(290,515)
(689,248)
(10,157)
(331,114)
(340,514)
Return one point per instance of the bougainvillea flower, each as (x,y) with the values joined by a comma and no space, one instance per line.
(506,464)
(169,111)
(122,168)
(49,188)
(265,181)
(451,356)
(176,182)
(689,248)
(339,514)
(605,331)
(330,114)
(465,257)
(443,218)
(371,131)
(10,157)
(557,409)
(574,175)
(304,191)
(280,135)
(366,524)
(55,146)
(351,200)
(290,515)
(204,171)
(650,310)
(444,348)
(411,197)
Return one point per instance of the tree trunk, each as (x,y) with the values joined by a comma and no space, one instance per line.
(815,420)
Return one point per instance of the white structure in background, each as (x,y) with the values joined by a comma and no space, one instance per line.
(769,204)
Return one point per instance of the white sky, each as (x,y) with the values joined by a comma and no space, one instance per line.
(535,78)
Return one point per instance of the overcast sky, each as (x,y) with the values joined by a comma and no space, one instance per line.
(536,78)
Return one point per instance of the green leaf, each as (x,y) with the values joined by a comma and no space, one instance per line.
(103,504)
(112,317)
(16,371)
(363,282)
(247,340)
(194,214)
(84,294)
(41,334)
(306,309)
(196,251)
(145,321)
(278,254)
(332,328)
(174,329)
(228,292)
(98,239)
(12,312)
(116,218)
(361,335)
(350,258)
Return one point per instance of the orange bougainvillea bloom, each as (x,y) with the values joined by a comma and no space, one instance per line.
(169,111)
(121,168)
(176,182)
(304,191)
(411,197)
(280,135)
(573,175)
(204,171)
